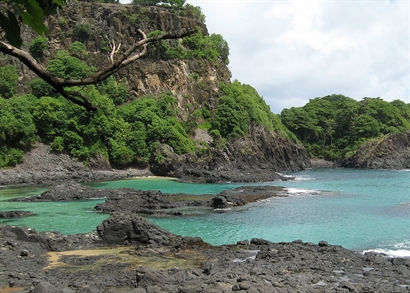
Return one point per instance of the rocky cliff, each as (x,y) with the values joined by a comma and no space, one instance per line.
(389,152)
(256,153)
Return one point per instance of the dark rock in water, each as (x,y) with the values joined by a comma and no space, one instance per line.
(135,201)
(15,214)
(389,152)
(156,202)
(246,194)
(73,190)
(122,228)
(219,202)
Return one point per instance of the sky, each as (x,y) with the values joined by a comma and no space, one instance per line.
(292,51)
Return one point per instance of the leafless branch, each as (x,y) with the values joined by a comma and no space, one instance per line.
(114,50)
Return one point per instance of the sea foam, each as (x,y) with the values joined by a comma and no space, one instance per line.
(401,249)
(299,191)
(391,252)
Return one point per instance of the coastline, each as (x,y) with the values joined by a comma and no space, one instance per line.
(255,266)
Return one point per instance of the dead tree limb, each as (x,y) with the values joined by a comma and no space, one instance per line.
(136,51)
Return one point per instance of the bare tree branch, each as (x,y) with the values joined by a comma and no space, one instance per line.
(135,52)
(114,50)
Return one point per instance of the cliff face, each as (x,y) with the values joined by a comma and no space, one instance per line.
(194,82)
(390,152)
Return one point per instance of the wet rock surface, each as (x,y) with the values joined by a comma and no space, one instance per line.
(162,262)
(127,200)
(246,194)
(15,214)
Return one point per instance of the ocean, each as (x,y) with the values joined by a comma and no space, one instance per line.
(359,209)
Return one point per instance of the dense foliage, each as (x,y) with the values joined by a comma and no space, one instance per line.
(333,127)
(128,134)
(238,107)
(8,81)
(38,47)
(199,45)
(17,129)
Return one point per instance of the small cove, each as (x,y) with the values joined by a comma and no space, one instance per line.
(358,209)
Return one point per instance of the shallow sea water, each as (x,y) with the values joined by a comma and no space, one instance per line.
(358,209)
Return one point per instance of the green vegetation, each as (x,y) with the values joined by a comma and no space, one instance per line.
(127,134)
(8,81)
(82,31)
(67,66)
(200,46)
(77,49)
(238,107)
(37,48)
(335,126)
(17,129)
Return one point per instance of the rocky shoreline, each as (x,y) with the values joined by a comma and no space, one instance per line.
(42,166)
(126,253)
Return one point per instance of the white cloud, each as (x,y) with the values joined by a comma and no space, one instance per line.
(291,51)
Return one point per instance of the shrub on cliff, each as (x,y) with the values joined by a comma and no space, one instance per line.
(38,47)
(199,45)
(238,107)
(8,81)
(17,129)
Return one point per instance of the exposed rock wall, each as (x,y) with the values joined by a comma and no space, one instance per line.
(390,152)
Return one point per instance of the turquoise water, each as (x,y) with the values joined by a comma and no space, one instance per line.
(359,209)
(166,185)
(67,217)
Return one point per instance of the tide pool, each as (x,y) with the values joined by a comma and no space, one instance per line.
(69,217)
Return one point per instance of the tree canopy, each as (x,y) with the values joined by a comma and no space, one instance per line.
(333,127)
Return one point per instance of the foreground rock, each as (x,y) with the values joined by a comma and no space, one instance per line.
(389,152)
(128,254)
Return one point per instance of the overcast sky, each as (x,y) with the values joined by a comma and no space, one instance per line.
(291,51)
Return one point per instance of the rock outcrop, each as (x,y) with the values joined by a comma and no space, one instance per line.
(389,152)
(43,166)
(122,228)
